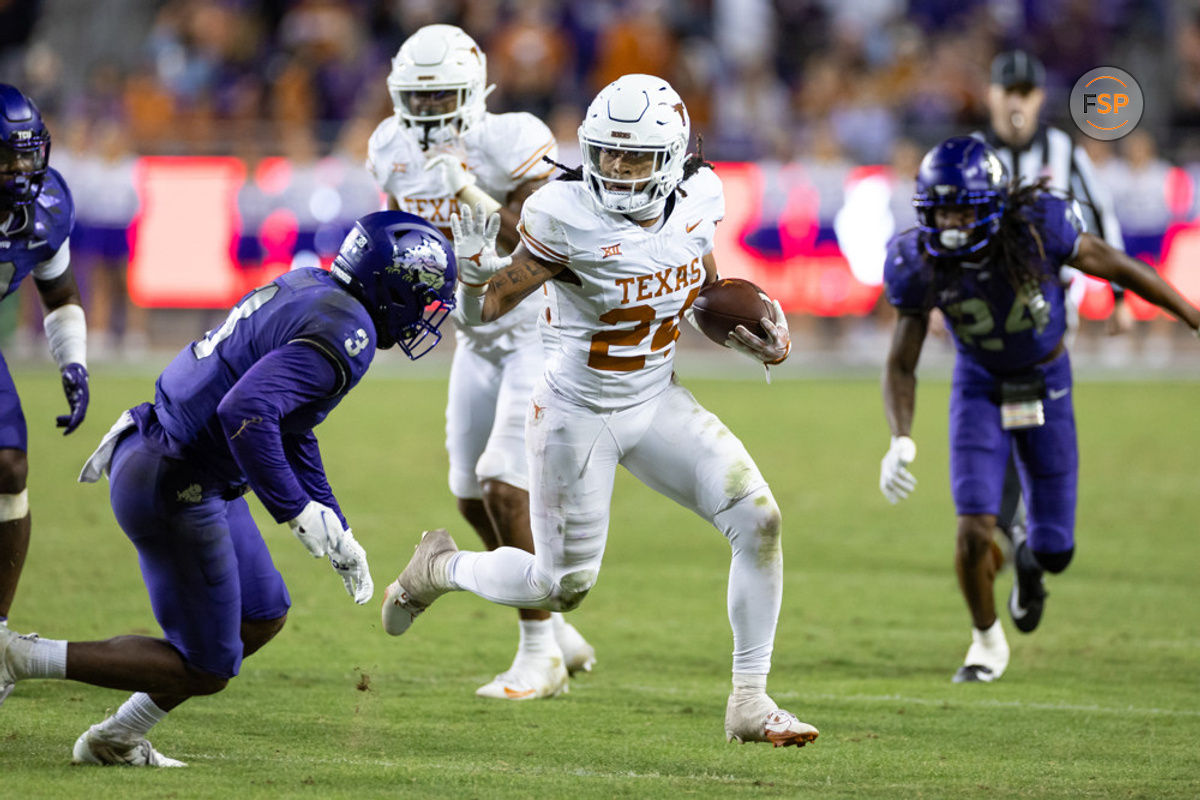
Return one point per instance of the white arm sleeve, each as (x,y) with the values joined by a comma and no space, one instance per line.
(56,265)
(66,333)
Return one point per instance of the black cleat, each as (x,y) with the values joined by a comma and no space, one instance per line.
(1029,594)
(973,673)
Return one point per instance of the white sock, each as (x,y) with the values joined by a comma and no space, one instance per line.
(47,659)
(748,683)
(755,579)
(134,718)
(537,639)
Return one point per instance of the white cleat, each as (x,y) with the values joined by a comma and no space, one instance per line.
(987,657)
(424,580)
(14,655)
(95,747)
(578,655)
(756,718)
(528,679)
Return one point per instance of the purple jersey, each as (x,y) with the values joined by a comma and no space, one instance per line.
(305,307)
(990,321)
(36,240)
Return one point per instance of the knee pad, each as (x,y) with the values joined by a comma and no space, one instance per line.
(494,464)
(14,506)
(1053,562)
(754,518)
(573,587)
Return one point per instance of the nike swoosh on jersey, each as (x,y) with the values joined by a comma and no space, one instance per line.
(692,227)
(1056,394)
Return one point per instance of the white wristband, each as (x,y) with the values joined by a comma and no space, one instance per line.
(469,301)
(66,332)
(474,196)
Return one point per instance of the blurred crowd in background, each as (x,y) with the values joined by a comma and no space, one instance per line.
(821,85)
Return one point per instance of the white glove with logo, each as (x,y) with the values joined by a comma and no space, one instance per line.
(320,531)
(771,350)
(895,481)
(349,560)
(475,246)
(454,173)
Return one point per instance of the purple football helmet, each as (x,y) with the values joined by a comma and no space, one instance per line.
(964,173)
(402,269)
(24,148)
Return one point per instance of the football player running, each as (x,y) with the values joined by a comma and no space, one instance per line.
(990,256)
(622,253)
(235,411)
(36,217)
(443,148)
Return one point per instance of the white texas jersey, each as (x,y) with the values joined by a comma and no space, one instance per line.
(613,314)
(502,151)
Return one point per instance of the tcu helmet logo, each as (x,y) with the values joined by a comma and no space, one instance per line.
(994,167)
(422,263)
(22,136)
(357,343)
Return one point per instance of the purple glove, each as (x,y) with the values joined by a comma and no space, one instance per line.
(75,386)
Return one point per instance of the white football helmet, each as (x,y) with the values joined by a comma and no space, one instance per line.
(438,83)
(634,140)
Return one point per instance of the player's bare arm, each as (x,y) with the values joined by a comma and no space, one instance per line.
(1097,257)
(514,283)
(60,291)
(900,372)
(510,212)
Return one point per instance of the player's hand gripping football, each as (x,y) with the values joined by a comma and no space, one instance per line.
(320,531)
(75,386)
(895,481)
(770,350)
(475,245)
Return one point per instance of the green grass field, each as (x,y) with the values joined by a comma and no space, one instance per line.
(1103,701)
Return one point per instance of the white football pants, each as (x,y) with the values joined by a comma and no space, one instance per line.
(485,416)
(674,446)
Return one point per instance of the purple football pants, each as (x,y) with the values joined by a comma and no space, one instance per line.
(12,419)
(1047,457)
(203,560)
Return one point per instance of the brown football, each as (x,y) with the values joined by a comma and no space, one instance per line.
(722,306)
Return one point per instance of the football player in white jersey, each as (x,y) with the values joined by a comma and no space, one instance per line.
(441,148)
(623,253)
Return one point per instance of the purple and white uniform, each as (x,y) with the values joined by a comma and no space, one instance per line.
(232,411)
(31,242)
(996,339)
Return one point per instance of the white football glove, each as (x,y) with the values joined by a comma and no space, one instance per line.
(317,527)
(320,531)
(895,481)
(475,245)
(771,350)
(349,560)
(454,173)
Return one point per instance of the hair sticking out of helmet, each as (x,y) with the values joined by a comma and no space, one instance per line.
(438,83)
(962,191)
(634,141)
(403,270)
(24,149)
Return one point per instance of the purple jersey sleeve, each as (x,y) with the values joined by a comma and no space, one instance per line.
(1057,219)
(906,277)
(304,456)
(286,382)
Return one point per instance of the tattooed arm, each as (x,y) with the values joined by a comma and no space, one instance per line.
(514,283)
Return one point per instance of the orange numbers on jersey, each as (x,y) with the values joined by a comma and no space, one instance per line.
(599,356)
